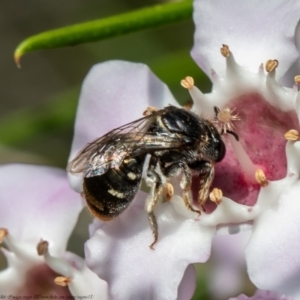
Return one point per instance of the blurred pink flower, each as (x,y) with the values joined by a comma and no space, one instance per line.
(37,207)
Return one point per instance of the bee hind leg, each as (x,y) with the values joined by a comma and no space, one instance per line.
(152,200)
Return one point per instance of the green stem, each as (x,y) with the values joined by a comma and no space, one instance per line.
(92,31)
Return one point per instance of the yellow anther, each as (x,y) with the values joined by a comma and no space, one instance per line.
(168,191)
(297,79)
(3,234)
(271,65)
(187,82)
(62,281)
(261,178)
(216,196)
(292,135)
(150,110)
(42,247)
(225,50)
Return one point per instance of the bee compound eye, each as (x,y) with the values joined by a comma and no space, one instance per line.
(221,149)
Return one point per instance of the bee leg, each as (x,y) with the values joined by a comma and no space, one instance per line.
(153,198)
(185,184)
(205,183)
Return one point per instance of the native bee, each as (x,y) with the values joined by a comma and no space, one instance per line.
(159,146)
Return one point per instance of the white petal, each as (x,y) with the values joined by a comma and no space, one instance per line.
(255,31)
(37,203)
(119,252)
(273,256)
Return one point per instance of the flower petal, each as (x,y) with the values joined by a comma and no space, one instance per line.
(263,29)
(272,255)
(228,265)
(37,203)
(262,295)
(119,252)
(113,94)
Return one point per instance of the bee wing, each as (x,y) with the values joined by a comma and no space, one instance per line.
(109,150)
(131,139)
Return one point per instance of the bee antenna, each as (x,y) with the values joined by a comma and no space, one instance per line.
(232,133)
(217,110)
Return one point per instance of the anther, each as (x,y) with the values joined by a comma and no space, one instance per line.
(168,191)
(292,135)
(187,82)
(42,247)
(225,50)
(150,110)
(297,79)
(216,196)
(261,178)
(3,234)
(62,281)
(271,65)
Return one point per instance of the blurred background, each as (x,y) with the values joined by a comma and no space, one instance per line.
(38,101)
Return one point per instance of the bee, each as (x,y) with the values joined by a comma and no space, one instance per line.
(163,144)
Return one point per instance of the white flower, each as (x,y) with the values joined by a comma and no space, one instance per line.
(259,176)
(38,211)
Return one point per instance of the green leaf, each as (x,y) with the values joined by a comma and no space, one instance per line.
(92,31)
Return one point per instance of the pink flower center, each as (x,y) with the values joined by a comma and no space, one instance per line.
(40,281)
(261,129)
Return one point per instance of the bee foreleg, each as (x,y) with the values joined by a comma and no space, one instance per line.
(152,200)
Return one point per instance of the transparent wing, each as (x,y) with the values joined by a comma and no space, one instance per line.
(131,139)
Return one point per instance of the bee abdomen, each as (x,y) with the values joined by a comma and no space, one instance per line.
(110,194)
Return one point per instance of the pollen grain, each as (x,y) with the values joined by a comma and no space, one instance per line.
(168,191)
(216,196)
(42,247)
(297,79)
(3,234)
(150,110)
(261,178)
(225,50)
(187,82)
(271,65)
(62,281)
(292,135)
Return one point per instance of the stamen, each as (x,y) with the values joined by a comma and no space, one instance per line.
(271,65)
(3,234)
(261,178)
(57,264)
(187,82)
(62,281)
(150,110)
(292,135)
(16,247)
(225,50)
(244,160)
(216,196)
(168,191)
(198,97)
